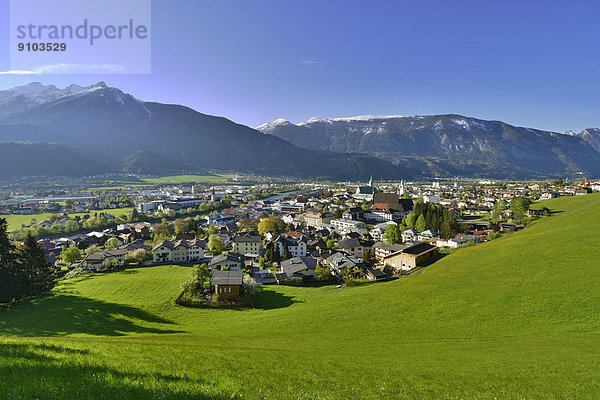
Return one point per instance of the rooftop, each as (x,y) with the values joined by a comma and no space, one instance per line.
(218,277)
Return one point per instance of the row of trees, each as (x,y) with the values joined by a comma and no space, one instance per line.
(54,229)
(424,216)
(518,205)
(24,270)
(100,222)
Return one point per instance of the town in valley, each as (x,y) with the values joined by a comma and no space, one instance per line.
(242,231)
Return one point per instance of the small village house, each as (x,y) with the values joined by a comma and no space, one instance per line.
(411,257)
(227,261)
(227,285)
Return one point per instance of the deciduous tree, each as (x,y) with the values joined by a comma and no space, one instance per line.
(392,234)
(270,224)
(71,254)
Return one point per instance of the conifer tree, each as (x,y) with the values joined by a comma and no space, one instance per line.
(37,275)
(368,258)
(286,252)
(421,224)
(8,290)
(276,256)
(445,231)
(410,220)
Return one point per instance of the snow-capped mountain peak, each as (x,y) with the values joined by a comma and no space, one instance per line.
(355,118)
(40,93)
(23,98)
(273,124)
(30,89)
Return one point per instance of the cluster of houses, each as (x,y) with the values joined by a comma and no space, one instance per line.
(356,218)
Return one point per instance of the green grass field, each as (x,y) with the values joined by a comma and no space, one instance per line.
(209,178)
(514,318)
(15,221)
(116,187)
(215,178)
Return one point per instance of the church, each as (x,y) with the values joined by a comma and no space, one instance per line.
(365,193)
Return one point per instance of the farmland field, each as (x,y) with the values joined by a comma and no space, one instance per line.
(208,179)
(215,179)
(517,317)
(15,221)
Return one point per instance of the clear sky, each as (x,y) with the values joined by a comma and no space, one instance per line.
(528,63)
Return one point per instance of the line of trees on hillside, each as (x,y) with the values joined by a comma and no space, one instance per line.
(424,216)
(98,221)
(24,270)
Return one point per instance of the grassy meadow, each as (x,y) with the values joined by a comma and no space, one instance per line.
(210,179)
(207,179)
(515,318)
(15,221)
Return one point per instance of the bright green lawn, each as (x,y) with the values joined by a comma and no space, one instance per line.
(216,178)
(517,317)
(209,178)
(15,221)
(116,187)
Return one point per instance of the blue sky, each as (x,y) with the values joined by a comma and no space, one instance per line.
(528,63)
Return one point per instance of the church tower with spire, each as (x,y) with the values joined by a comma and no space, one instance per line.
(365,193)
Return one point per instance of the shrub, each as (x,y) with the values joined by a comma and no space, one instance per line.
(493,235)
(140,256)
(75,272)
(250,285)
(323,274)
(111,265)
(189,286)
(201,274)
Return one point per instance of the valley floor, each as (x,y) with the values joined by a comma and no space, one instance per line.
(517,317)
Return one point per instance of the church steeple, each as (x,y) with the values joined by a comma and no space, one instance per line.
(371,181)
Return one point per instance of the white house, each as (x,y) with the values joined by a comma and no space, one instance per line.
(410,235)
(431,198)
(229,261)
(181,250)
(426,235)
(459,241)
(96,260)
(347,225)
(247,243)
(295,245)
(379,229)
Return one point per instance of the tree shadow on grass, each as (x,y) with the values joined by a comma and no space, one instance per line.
(65,314)
(129,271)
(268,299)
(57,372)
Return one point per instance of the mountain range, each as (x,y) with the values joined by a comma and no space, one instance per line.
(590,135)
(108,127)
(450,144)
(97,129)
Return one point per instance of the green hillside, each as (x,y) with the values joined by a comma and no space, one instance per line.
(517,317)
